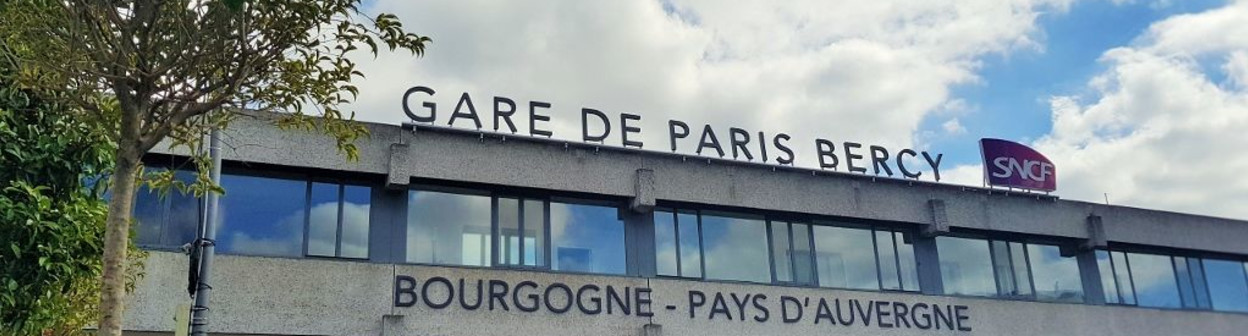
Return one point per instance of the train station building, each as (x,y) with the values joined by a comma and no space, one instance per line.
(449,231)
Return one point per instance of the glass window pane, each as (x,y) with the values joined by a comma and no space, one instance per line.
(1022,273)
(845,258)
(887,259)
(1004,272)
(1056,277)
(780,248)
(1108,284)
(262,216)
(1154,280)
(1126,286)
(587,238)
(909,267)
(1198,282)
(182,221)
(534,232)
(690,244)
(1184,279)
(356,202)
(323,220)
(508,231)
(1228,286)
(450,229)
(665,243)
(149,216)
(736,248)
(965,266)
(803,270)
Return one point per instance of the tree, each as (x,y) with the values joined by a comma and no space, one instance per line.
(51,217)
(179,67)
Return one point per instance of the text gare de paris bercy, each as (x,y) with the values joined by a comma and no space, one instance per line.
(589,299)
(598,126)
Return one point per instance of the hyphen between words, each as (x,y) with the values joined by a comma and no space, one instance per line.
(739,142)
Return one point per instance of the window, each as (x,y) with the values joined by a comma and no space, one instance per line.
(338,221)
(791,255)
(1008,269)
(864,259)
(1228,284)
(678,243)
(587,238)
(167,221)
(735,248)
(465,227)
(966,266)
(1155,281)
(1056,278)
(521,232)
(448,229)
(262,216)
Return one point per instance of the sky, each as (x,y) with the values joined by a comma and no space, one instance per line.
(1141,103)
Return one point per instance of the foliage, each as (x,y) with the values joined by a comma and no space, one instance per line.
(168,63)
(51,218)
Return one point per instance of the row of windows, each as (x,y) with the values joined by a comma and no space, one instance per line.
(298,216)
(268,216)
(1173,282)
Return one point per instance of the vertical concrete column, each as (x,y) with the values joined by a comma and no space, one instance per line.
(1089,270)
(925,252)
(639,225)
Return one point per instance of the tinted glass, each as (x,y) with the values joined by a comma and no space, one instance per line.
(356,202)
(534,233)
(509,231)
(1022,273)
(586,238)
(1122,268)
(1004,271)
(1108,284)
(845,258)
(665,243)
(262,216)
(909,267)
(323,220)
(169,220)
(965,266)
(1228,286)
(445,228)
(780,248)
(735,248)
(1056,278)
(1154,280)
(803,269)
(690,244)
(887,254)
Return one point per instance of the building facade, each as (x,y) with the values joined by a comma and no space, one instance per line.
(438,231)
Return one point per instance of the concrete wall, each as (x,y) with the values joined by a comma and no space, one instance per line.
(400,155)
(270,296)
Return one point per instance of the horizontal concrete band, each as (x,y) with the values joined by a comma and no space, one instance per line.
(273,296)
(399,155)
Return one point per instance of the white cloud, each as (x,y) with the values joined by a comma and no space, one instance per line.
(847,71)
(1157,129)
(953,126)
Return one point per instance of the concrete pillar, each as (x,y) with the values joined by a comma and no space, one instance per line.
(639,226)
(1089,270)
(643,191)
(925,252)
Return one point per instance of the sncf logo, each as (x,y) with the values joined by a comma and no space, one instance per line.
(1013,165)
(1006,167)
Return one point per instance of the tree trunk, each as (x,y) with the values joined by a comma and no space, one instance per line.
(117,229)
